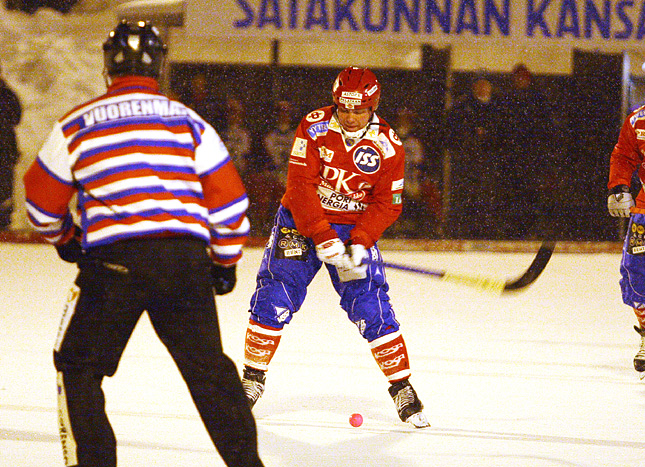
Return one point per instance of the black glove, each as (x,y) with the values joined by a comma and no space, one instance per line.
(619,189)
(224,278)
(71,251)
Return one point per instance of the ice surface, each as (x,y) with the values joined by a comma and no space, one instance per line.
(542,378)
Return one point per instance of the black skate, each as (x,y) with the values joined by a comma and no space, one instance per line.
(408,405)
(253,384)
(639,359)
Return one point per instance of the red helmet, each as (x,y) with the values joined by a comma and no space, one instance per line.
(356,88)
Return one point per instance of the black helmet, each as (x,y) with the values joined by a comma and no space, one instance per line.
(134,49)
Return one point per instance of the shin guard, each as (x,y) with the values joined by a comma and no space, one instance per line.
(260,345)
(391,355)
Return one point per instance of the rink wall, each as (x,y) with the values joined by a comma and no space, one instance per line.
(27,236)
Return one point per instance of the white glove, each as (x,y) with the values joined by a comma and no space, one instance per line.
(620,201)
(358,254)
(333,252)
(357,270)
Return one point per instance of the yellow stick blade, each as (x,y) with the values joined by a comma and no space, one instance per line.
(486,284)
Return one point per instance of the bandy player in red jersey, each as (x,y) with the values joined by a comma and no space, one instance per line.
(626,159)
(343,190)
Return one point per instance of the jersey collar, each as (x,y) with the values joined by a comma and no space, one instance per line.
(372,132)
(133,83)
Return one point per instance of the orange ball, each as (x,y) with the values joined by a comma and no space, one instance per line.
(356,419)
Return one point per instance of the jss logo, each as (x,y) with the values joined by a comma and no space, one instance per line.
(367,159)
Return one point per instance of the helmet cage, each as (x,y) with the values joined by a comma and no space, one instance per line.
(134,49)
(356,88)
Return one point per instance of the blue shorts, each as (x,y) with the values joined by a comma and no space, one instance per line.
(289,265)
(632,266)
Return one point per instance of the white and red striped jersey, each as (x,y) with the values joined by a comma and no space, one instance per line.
(141,165)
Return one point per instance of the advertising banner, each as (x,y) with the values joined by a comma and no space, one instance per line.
(609,25)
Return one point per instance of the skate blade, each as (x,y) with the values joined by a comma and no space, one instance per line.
(641,375)
(418,420)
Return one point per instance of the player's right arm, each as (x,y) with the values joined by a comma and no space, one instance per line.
(49,188)
(625,159)
(301,197)
(626,156)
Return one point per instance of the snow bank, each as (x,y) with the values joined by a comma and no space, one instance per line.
(53,62)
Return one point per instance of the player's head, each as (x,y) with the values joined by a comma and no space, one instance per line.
(134,49)
(521,76)
(356,93)
(482,89)
(356,88)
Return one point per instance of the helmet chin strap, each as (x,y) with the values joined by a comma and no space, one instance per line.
(354,134)
(351,137)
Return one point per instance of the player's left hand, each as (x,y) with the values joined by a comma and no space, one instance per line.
(357,269)
(71,251)
(224,278)
(358,254)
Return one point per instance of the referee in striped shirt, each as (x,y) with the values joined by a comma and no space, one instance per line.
(159,225)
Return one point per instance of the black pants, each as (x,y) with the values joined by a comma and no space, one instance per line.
(168,278)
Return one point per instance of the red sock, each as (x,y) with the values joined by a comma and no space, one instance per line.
(260,345)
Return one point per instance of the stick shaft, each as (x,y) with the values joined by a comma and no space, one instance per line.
(484,283)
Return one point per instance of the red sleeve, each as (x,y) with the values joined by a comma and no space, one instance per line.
(226,200)
(625,157)
(385,207)
(301,197)
(47,201)
(222,187)
(45,191)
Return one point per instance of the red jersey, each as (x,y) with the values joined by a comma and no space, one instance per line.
(332,179)
(628,154)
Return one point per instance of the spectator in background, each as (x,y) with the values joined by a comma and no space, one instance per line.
(237,137)
(527,139)
(267,179)
(10,114)
(474,145)
(202,99)
(421,196)
(279,140)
